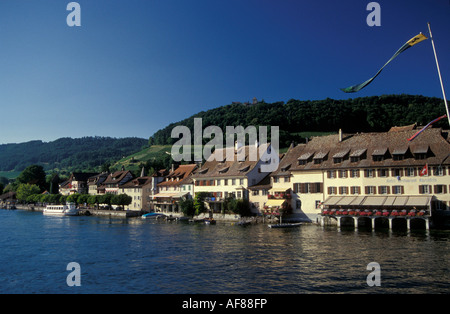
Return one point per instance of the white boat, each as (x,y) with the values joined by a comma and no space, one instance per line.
(286,225)
(61,210)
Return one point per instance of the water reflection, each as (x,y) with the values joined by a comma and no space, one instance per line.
(143,256)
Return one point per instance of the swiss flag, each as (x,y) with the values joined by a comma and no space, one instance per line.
(424,171)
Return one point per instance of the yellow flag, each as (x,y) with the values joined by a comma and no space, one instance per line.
(416,39)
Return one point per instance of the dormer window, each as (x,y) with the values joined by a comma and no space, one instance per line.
(379,154)
(399,153)
(320,157)
(358,155)
(420,152)
(223,170)
(305,158)
(286,168)
(340,156)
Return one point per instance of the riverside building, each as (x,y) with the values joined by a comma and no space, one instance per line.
(370,173)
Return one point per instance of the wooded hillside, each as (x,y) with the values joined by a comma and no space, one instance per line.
(66,153)
(365,114)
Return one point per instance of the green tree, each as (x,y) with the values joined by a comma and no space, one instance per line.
(187,207)
(83,198)
(121,200)
(25,190)
(105,199)
(242,208)
(33,174)
(199,202)
(93,200)
(73,198)
(62,199)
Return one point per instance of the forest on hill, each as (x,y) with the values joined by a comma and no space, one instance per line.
(68,154)
(364,114)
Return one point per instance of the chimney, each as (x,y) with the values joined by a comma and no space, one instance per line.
(340,135)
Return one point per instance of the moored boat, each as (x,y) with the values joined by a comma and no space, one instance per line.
(69,209)
(152,216)
(286,225)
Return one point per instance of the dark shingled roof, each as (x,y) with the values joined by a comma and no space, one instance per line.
(356,151)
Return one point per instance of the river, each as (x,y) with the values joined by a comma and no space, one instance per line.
(145,256)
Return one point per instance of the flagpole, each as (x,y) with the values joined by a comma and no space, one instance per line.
(439,73)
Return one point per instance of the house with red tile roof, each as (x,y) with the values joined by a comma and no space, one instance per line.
(176,185)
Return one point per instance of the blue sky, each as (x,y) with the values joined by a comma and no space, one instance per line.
(135,66)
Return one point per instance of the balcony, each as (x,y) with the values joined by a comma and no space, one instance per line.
(376,213)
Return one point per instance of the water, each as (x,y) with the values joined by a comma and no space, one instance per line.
(145,256)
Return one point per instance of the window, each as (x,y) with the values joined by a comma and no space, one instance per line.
(397,172)
(355,190)
(239,194)
(265,192)
(397,189)
(377,157)
(287,179)
(440,188)
(410,172)
(255,192)
(370,189)
(331,174)
(241,181)
(275,179)
(354,173)
(332,190)
(218,182)
(343,190)
(420,156)
(424,189)
(383,172)
(298,204)
(225,181)
(342,173)
(369,173)
(438,171)
(398,156)
(233,181)
(383,189)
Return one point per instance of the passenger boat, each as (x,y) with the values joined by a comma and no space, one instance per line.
(61,210)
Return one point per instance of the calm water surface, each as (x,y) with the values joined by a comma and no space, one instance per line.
(144,256)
